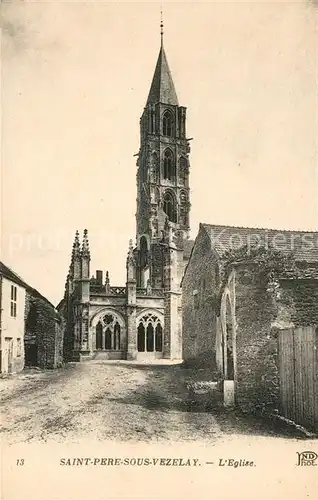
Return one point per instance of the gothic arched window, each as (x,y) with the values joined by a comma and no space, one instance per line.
(141,338)
(108,330)
(143,252)
(149,335)
(108,339)
(99,336)
(183,170)
(158,338)
(151,120)
(168,165)
(169,207)
(167,123)
(150,338)
(154,174)
(117,336)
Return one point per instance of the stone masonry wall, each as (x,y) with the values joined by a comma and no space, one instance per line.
(259,315)
(199,304)
(300,298)
(257,378)
(48,330)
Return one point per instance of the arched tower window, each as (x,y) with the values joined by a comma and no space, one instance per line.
(183,218)
(168,165)
(143,252)
(167,123)
(169,206)
(149,334)
(154,173)
(183,163)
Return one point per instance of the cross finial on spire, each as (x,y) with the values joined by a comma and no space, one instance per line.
(161,26)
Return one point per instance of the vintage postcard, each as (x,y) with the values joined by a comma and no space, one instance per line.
(159,250)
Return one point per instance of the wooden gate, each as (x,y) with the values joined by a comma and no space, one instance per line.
(298,367)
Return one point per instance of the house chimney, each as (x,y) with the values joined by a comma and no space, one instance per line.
(99,277)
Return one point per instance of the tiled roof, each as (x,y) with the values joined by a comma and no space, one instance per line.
(12,276)
(162,86)
(15,278)
(303,244)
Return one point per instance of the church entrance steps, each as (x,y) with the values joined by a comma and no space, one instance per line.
(149,357)
(137,362)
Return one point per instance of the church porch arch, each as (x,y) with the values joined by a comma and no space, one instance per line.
(108,331)
(150,329)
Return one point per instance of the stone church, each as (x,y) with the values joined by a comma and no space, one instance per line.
(143,319)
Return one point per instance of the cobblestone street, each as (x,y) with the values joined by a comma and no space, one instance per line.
(116,401)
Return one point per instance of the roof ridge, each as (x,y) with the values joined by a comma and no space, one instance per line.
(21,281)
(260,228)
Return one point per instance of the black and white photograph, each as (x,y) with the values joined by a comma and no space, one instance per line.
(159,250)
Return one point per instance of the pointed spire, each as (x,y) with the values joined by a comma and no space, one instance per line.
(107,283)
(85,245)
(107,278)
(162,86)
(76,250)
(131,264)
(75,265)
(131,247)
(130,255)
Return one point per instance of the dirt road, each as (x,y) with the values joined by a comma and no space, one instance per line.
(115,401)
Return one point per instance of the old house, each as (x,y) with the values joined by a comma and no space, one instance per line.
(44,332)
(141,319)
(30,328)
(249,297)
(12,311)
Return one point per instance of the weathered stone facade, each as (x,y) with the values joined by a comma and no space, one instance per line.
(141,320)
(44,330)
(200,288)
(254,340)
(31,331)
(12,300)
(238,315)
(258,315)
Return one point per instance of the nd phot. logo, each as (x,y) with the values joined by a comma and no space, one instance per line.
(307,458)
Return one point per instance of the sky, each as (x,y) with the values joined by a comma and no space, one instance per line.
(75,77)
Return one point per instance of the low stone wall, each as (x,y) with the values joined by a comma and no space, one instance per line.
(199,305)
(257,378)
(300,298)
(44,328)
(259,315)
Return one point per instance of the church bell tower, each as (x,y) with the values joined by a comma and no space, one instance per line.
(163,173)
